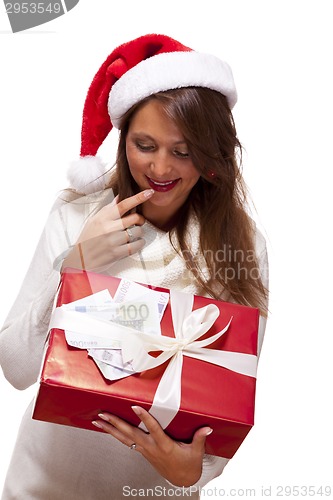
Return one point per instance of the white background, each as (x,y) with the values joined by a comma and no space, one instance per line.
(281,55)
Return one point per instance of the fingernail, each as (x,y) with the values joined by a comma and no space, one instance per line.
(209,432)
(97,424)
(102,416)
(137,410)
(148,193)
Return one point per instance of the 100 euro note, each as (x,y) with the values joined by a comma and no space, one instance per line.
(134,306)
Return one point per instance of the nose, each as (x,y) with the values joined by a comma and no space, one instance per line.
(161,165)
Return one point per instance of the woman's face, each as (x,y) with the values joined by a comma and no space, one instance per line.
(158,158)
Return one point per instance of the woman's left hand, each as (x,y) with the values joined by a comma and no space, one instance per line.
(180,463)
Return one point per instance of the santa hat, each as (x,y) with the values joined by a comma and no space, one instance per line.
(133,71)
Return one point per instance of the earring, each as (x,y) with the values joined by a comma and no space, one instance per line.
(211,173)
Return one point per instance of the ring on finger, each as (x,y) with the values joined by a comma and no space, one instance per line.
(129,234)
(132,446)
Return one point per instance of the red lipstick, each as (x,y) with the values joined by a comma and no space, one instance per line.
(162,187)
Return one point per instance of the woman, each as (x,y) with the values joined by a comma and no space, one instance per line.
(178,221)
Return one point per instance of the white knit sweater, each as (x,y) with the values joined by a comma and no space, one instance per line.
(55,462)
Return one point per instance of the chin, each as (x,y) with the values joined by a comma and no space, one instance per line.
(162,203)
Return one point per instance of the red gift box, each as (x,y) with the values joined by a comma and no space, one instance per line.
(73,391)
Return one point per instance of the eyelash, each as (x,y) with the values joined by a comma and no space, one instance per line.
(143,148)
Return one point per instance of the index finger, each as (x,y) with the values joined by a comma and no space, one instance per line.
(133,201)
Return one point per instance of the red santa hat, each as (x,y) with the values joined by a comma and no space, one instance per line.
(135,70)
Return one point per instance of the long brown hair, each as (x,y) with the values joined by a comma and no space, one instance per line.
(218,199)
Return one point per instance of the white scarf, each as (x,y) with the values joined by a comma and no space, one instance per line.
(158,263)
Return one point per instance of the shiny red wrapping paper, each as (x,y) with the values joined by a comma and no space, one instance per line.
(73,391)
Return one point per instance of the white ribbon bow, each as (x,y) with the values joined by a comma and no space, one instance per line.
(188,327)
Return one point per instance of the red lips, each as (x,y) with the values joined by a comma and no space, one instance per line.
(162,187)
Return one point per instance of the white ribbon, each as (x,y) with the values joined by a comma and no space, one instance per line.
(188,325)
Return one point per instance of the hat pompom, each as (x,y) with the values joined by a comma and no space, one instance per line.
(87,175)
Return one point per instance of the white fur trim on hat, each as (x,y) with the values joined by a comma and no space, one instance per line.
(87,175)
(167,71)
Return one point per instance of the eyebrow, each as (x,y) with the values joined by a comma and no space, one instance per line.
(142,135)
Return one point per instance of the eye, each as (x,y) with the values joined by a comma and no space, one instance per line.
(181,154)
(144,147)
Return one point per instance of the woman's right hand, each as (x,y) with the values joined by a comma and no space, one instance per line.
(105,239)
